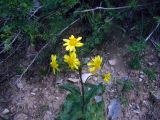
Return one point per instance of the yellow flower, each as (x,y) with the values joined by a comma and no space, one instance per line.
(54,63)
(72,60)
(107,77)
(95,64)
(72,42)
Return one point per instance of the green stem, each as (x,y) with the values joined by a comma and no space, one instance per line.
(82,86)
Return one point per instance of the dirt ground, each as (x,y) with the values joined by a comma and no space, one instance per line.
(40,98)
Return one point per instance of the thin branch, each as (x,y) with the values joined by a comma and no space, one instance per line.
(35,11)
(44,47)
(148,37)
(114,8)
(15,38)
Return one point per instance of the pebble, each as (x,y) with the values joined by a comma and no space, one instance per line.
(32,93)
(20,85)
(74,80)
(155,95)
(112,62)
(114,109)
(141,76)
(140,79)
(85,76)
(5,111)
(98,99)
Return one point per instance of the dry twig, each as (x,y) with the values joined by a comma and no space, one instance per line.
(114,8)
(148,37)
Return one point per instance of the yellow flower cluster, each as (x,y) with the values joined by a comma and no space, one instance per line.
(107,77)
(72,60)
(54,63)
(95,64)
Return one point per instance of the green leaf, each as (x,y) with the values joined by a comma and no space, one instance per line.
(72,88)
(90,92)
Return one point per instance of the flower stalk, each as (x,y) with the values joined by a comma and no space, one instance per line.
(82,88)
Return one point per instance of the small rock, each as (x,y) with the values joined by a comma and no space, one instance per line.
(141,72)
(136,111)
(141,76)
(20,85)
(114,109)
(155,95)
(98,99)
(85,76)
(74,80)
(59,81)
(150,64)
(32,93)
(5,111)
(112,62)
(140,79)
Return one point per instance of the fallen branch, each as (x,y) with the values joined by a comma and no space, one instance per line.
(45,46)
(114,8)
(148,37)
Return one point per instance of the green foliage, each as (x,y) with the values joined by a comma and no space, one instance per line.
(72,109)
(126,85)
(137,47)
(133,4)
(124,100)
(135,62)
(151,73)
(95,111)
(157,18)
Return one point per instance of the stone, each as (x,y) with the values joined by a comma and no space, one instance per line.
(85,76)
(150,64)
(59,81)
(5,111)
(74,80)
(141,76)
(98,99)
(20,85)
(114,109)
(155,95)
(32,93)
(112,62)
(140,79)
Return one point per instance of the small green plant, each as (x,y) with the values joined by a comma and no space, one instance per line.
(151,73)
(137,47)
(127,86)
(135,63)
(124,100)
